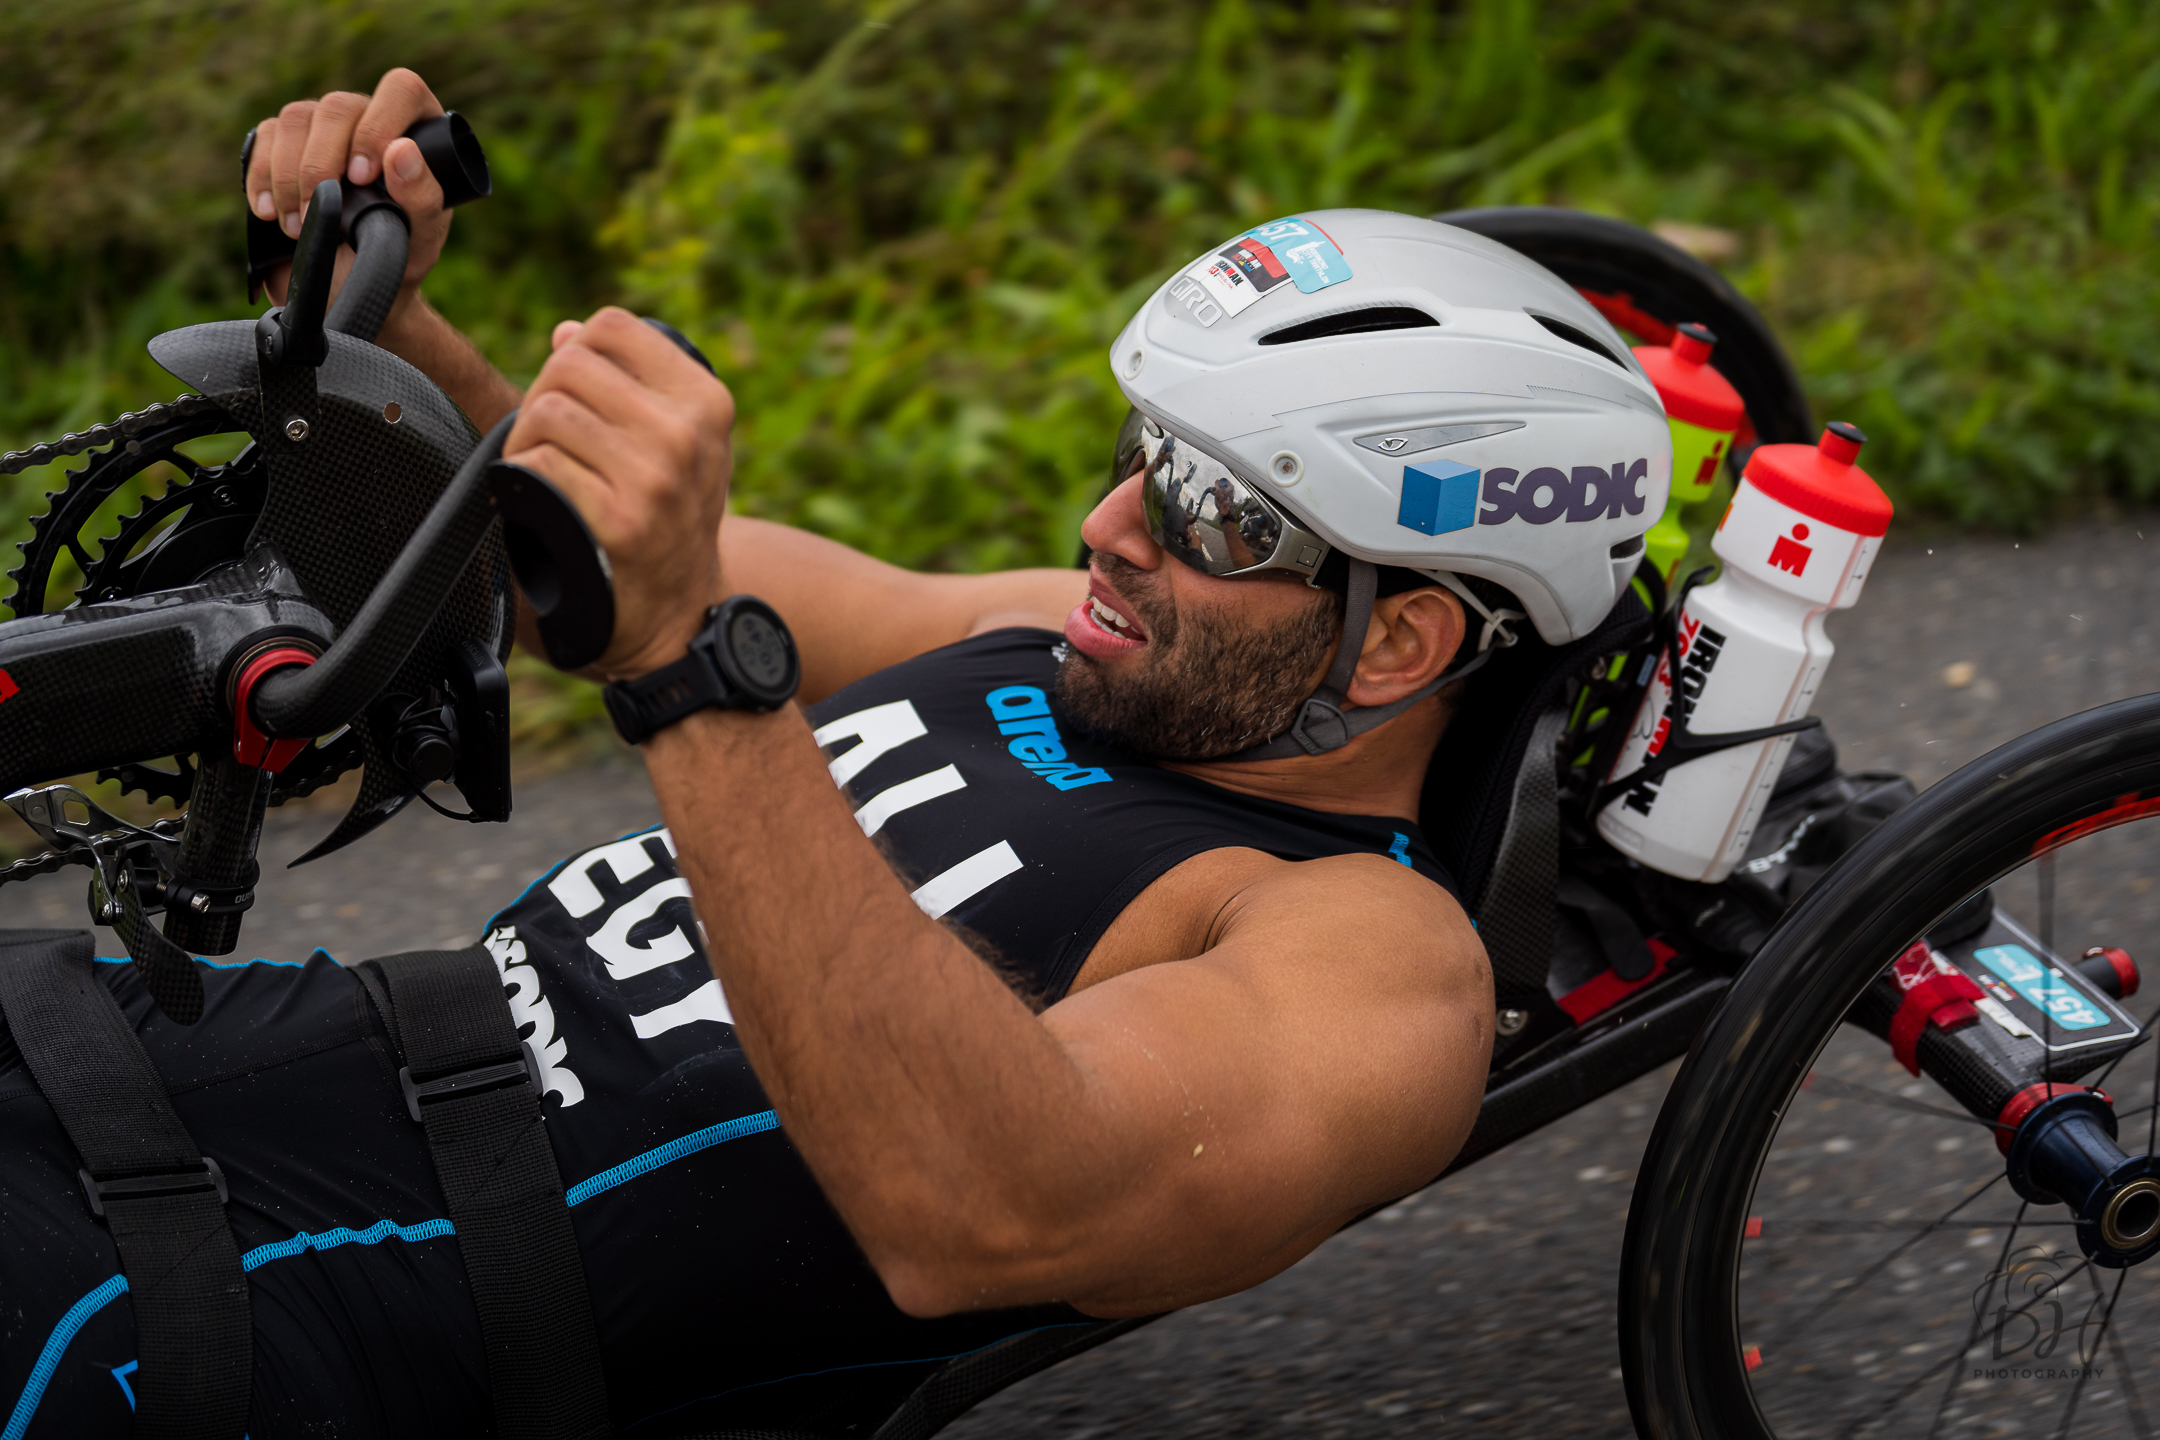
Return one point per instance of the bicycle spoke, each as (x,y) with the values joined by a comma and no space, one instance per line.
(1793,1335)
(1979,1311)
(2152,1123)
(2084,1367)
(1974,1334)
(1787,1227)
(2136,1402)
(1884,1098)
(2045,879)
(2101,1079)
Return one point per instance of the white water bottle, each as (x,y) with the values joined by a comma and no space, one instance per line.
(1803,528)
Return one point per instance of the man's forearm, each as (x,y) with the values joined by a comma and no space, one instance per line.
(917,1087)
(417,333)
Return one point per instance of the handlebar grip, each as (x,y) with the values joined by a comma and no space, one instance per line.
(453,152)
(559,565)
(558,562)
(683,342)
(446,142)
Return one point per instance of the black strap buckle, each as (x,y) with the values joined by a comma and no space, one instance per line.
(190,1181)
(476,1081)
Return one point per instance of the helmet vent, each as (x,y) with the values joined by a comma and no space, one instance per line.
(1352,322)
(1574,337)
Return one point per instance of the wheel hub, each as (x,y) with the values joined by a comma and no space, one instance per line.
(2064,1152)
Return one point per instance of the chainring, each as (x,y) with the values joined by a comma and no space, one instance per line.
(198,523)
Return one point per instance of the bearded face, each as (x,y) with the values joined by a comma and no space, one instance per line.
(1208,681)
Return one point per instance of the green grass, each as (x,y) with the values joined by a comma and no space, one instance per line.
(906,231)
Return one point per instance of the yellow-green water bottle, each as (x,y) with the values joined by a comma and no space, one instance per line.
(1705,412)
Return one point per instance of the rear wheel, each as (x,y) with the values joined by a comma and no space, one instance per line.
(1646,286)
(1823,1244)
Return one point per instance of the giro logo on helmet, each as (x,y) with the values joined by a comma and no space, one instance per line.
(1264,257)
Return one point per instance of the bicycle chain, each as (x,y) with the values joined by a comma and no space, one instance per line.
(127,427)
(51,862)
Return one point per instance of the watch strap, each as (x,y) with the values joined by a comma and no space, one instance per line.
(760,672)
(643,707)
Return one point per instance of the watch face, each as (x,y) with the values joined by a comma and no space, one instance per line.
(761,651)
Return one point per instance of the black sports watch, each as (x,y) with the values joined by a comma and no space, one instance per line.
(744,659)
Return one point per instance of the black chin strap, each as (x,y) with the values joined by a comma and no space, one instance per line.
(1322,724)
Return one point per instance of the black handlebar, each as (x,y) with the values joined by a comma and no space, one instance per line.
(398,611)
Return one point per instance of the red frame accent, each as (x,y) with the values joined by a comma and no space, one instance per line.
(8,688)
(1625,314)
(250,746)
(1600,993)
(1936,993)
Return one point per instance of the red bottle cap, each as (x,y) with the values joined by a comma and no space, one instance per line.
(1691,390)
(1822,482)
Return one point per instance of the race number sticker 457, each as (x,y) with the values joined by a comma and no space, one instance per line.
(1291,251)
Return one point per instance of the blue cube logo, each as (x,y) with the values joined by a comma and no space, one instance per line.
(1438,496)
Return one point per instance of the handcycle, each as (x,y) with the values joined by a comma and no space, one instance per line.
(337,596)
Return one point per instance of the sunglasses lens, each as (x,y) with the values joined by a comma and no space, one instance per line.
(1199,511)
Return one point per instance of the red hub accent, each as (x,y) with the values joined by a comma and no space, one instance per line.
(1936,992)
(250,746)
(2029,1099)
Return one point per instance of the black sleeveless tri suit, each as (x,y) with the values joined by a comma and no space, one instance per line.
(726,1290)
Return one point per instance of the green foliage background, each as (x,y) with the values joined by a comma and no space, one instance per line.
(907,230)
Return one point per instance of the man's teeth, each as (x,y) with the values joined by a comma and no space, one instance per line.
(1112,621)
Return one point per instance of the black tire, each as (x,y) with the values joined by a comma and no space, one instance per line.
(1607,258)
(1687,1370)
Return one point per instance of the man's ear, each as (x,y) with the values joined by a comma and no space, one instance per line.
(1410,641)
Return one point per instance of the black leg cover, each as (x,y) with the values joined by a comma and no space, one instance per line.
(164,1203)
(466,1080)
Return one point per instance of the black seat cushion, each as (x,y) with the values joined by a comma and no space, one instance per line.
(1471,782)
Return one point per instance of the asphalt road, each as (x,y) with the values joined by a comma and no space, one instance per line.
(1485,1303)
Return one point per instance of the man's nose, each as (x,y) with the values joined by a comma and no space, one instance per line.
(1117,527)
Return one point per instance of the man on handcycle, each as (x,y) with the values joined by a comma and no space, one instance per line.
(1074,951)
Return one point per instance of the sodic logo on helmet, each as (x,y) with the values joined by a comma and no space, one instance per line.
(1439,495)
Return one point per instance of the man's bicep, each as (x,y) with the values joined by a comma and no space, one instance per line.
(853,615)
(1326,1056)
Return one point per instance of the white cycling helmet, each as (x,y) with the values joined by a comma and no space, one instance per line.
(1404,392)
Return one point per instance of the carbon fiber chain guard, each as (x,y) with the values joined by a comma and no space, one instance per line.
(380,443)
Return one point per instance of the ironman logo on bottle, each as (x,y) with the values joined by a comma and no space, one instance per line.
(1803,527)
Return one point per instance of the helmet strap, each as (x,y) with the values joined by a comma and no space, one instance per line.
(1322,724)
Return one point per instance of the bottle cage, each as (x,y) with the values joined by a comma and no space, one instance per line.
(1681,744)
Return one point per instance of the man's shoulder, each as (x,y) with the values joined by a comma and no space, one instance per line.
(1357,894)
(1240,905)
